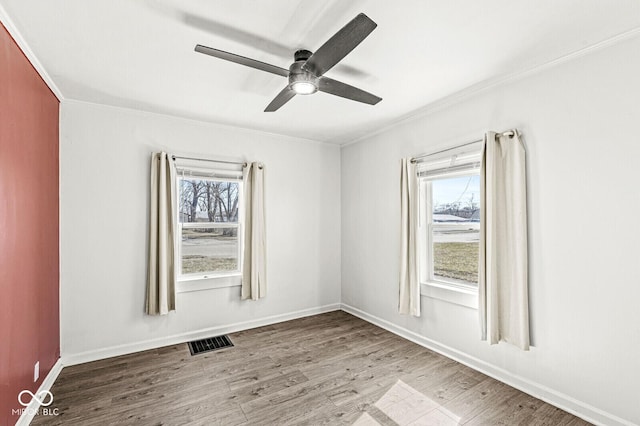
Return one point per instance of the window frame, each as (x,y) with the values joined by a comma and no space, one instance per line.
(208,279)
(439,288)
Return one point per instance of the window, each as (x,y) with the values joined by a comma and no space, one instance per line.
(209,224)
(453,229)
(450,225)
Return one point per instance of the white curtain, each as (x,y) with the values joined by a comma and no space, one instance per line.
(409,285)
(503,292)
(254,268)
(161,274)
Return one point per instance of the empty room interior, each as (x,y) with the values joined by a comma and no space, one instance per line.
(320,213)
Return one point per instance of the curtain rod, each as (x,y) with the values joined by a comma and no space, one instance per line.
(243,164)
(415,159)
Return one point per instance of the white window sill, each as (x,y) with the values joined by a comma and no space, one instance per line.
(451,293)
(208,282)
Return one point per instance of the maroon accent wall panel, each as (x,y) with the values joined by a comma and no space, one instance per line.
(29,227)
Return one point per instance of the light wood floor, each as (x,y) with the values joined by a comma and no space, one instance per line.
(322,370)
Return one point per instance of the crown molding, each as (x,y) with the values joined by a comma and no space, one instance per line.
(8,23)
(491,83)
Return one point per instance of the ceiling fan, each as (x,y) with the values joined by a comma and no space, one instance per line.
(306,74)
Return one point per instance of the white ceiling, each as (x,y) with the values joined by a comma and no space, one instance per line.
(139,54)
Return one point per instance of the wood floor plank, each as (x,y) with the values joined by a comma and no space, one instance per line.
(329,369)
(548,415)
(517,410)
(487,395)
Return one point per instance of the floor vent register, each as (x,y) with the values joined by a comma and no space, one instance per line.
(209,344)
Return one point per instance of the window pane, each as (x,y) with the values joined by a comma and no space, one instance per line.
(456,228)
(208,201)
(455,252)
(209,250)
(456,199)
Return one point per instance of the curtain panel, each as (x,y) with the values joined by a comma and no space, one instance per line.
(503,270)
(161,273)
(254,267)
(409,285)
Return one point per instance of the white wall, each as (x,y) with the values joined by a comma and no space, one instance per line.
(104,185)
(580,122)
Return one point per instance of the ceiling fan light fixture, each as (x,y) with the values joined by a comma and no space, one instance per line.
(304,87)
(302,82)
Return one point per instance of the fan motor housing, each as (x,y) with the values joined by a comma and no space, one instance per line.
(301,55)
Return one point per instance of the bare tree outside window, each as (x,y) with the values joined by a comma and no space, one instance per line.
(208,215)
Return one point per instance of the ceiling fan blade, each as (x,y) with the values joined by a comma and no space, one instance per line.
(283,97)
(338,46)
(335,87)
(262,66)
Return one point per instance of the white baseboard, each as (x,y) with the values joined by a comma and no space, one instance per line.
(30,410)
(82,357)
(565,402)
